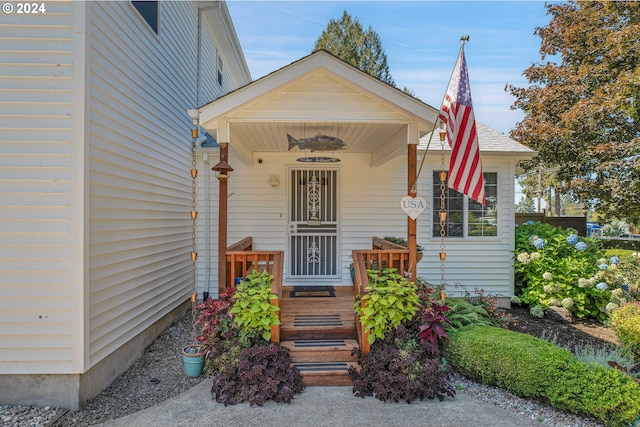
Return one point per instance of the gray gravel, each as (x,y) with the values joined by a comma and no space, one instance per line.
(158,375)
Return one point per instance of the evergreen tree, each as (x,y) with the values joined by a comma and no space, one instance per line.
(361,48)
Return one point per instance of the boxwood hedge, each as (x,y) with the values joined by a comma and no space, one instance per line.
(531,367)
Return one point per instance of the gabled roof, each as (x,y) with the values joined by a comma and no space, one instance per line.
(318,94)
(321,94)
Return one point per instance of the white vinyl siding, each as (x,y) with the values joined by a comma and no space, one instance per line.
(139,162)
(36,107)
(370,206)
(209,89)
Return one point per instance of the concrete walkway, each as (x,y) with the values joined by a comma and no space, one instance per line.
(321,406)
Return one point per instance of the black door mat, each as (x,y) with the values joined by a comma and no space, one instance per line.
(312,291)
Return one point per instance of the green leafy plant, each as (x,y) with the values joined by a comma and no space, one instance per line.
(532,367)
(498,316)
(555,267)
(390,300)
(252,309)
(625,321)
(263,372)
(462,313)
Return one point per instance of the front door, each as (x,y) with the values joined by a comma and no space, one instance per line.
(313,224)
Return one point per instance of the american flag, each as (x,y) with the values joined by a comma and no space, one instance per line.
(465,168)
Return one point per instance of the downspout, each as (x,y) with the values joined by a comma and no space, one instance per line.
(207,224)
(205,158)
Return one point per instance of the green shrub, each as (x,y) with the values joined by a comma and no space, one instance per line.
(633,245)
(531,367)
(515,361)
(625,321)
(555,267)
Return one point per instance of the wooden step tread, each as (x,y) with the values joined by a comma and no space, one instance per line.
(321,350)
(326,344)
(321,320)
(326,373)
(324,367)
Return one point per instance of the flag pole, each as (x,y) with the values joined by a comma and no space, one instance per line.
(463,40)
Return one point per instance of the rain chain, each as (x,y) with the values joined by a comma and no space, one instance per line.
(442,214)
(194,215)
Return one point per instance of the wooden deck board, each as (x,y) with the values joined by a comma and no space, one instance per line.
(324,331)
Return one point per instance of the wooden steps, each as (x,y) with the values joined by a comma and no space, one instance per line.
(320,334)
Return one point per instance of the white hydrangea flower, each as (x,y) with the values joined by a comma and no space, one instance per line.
(549,289)
(612,267)
(523,258)
(582,282)
(537,311)
(602,261)
(555,302)
(617,292)
(547,276)
(567,303)
(535,255)
(611,306)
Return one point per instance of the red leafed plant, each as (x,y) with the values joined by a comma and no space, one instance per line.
(214,317)
(432,326)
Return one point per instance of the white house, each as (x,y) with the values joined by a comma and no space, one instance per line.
(319,206)
(95,183)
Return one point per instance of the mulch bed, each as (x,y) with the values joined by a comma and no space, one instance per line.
(569,335)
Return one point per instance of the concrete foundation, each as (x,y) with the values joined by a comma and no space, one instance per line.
(72,391)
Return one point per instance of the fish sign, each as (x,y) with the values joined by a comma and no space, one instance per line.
(413,206)
(317,143)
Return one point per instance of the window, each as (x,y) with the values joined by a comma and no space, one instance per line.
(149,11)
(219,70)
(467,217)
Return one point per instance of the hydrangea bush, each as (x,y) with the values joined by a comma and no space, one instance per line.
(555,267)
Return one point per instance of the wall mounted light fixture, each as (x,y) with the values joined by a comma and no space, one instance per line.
(274,181)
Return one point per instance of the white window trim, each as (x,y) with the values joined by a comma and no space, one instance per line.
(465,209)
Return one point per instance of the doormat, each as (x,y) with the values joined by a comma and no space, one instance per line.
(312,291)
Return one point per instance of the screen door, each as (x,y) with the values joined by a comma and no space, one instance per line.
(313,223)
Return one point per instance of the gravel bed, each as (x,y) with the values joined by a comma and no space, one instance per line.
(158,376)
(547,415)
(155,377)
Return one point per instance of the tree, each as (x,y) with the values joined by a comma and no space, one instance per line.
(581,114)
(347,40)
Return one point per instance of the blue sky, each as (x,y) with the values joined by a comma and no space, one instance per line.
(420,38)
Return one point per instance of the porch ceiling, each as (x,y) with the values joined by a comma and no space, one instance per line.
(358,137)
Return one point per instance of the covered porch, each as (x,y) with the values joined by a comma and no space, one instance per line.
(315,204)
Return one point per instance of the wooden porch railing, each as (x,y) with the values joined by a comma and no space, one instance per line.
(242,260)
(375,259)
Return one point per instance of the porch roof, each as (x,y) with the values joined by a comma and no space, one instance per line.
(490,141)
(318,94)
